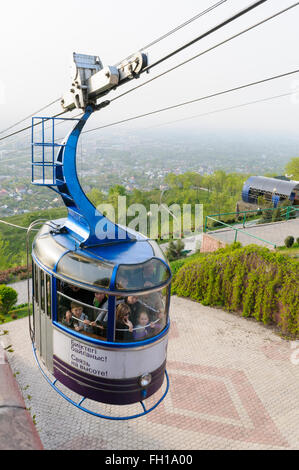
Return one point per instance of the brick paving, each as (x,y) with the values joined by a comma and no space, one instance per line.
(233,386)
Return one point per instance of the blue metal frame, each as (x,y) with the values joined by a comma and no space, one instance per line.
(98,415)
(114,345)
(83,217)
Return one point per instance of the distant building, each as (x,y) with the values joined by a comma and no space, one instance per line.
(272,189)
(21,190)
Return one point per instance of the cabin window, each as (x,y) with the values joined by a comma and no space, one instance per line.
(143,276)
(83,311)
(140,317)
(77,267)
(35,283)
(42,291)
(48,295)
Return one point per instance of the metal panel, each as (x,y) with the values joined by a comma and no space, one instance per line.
(43,348)
(102,81)
(49,326)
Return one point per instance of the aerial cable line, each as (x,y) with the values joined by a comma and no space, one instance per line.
(229,20)
(214,29)
(186,23)
(27,135)
(202,13)
(229,108)
(30,115)
(208,113)
(199,15)
(249,8)
(275,15)
(196,100)
(26,228)
(33,125)
(13,225)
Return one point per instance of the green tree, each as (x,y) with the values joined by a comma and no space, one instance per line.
(96,197)
(5,254)
(113,194)
(292,168)
(8,298)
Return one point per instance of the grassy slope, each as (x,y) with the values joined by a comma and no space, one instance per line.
(18,313)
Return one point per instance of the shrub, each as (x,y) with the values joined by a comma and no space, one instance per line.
(8,298)
(175,250)
(177,264)
(230,221)
(15,274)
(252,281)
(277,215)
(289,242)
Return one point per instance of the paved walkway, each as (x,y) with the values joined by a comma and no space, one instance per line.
(21,288)
(233,386)
(275,233)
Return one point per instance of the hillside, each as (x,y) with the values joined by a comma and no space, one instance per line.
(13,240)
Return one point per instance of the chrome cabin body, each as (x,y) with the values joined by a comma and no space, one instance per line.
(81,300)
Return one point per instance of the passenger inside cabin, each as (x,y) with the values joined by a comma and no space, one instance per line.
(153,301)
(122,283)
(100,323)
(77,293)
(158,324)
(142,328)
(123,325)
(73,293)
(149,274)
(100,301)
(77,319)
(133,302)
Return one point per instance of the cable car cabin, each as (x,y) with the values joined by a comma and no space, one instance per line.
(273,190)
(100,303)
(101,315)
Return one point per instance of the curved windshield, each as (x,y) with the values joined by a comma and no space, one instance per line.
(144,276)
(141,317)
(87,270)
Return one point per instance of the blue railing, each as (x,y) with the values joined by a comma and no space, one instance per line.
(44,164)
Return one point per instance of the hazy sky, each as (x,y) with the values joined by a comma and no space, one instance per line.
(37,40)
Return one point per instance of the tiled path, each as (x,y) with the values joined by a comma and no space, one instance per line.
(233,386)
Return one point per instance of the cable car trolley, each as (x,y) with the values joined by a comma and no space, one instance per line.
(101,291)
